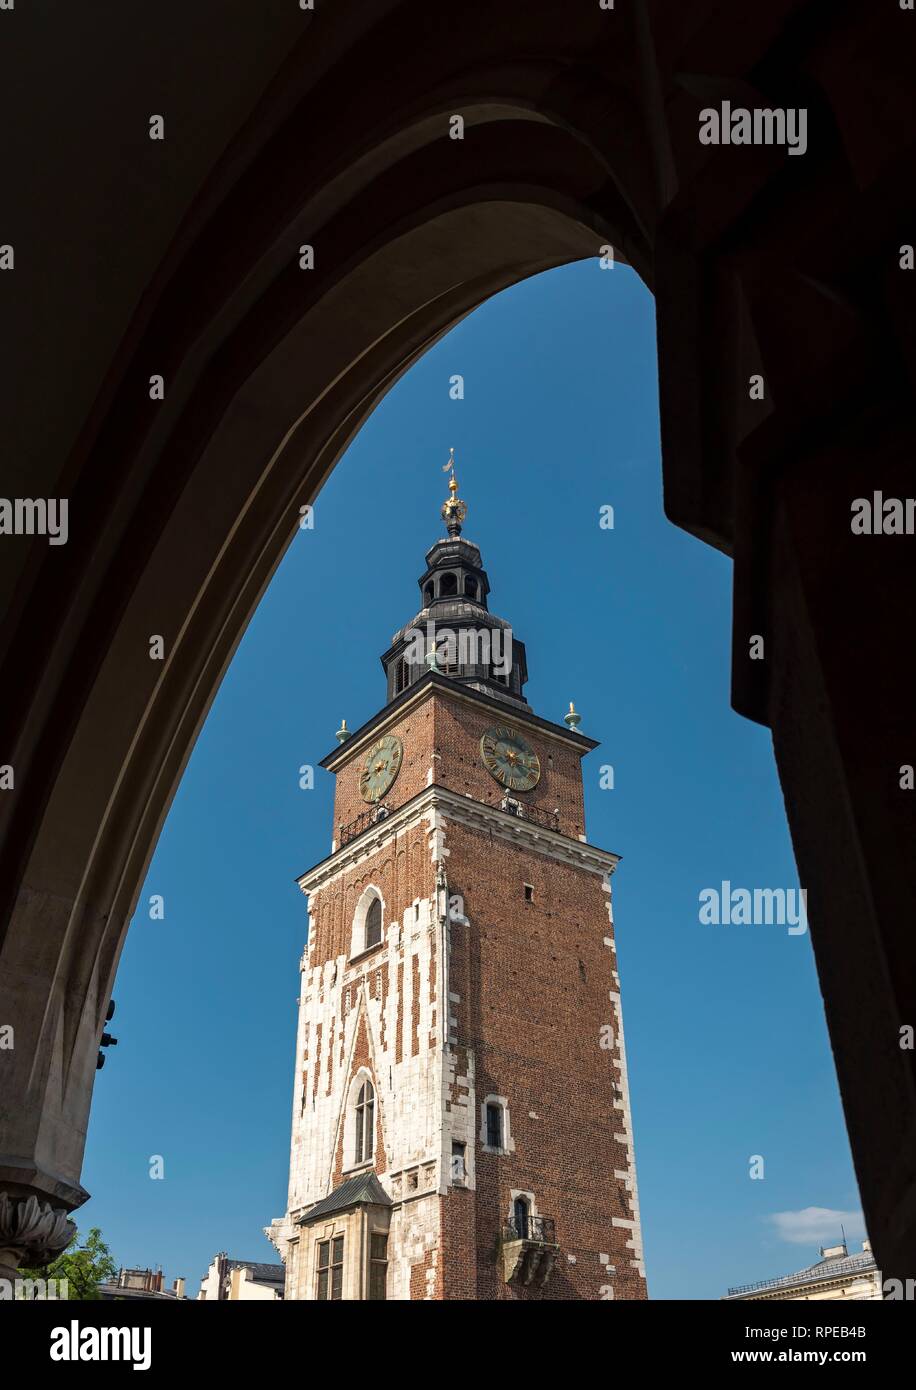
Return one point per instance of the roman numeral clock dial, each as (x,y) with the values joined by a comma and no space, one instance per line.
(509,758)
(382,765)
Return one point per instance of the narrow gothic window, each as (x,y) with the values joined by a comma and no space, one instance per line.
(378,1265)
(330,1269)
(494,1127)
(364,1145)
(374,923)
(520,1212)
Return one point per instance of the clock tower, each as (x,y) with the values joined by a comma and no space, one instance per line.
(461,1117)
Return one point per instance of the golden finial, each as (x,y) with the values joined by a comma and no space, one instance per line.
(453,509)
(573,719)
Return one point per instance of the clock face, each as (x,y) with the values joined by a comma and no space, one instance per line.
(382,765)
(510,759)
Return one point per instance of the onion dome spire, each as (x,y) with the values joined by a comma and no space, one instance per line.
(453,509)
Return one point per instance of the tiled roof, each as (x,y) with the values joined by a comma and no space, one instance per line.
(261,1273)
(364,1187)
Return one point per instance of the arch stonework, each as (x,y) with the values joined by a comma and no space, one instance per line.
(331,130)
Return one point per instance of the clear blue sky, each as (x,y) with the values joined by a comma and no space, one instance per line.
(727,1044)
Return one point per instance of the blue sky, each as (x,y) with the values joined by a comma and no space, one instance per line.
(727,1044)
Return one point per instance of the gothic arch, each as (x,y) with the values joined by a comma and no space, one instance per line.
(351,1158)
(370,894)
(577,136)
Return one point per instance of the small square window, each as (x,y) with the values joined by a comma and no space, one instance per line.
(529,893)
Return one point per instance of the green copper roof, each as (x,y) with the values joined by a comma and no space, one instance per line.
(364,1187)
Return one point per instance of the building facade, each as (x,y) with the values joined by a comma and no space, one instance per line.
(836,1275)
(241,1281)
(140,1284)
(461,1121)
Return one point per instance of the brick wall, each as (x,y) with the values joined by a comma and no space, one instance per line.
(441,741)
(530,986)
(535,980)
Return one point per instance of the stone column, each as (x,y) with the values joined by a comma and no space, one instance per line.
(840,624)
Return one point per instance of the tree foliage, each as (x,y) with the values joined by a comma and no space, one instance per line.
(84,1266)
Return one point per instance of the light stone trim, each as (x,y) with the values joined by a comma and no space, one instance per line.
(437,802)
(521,717)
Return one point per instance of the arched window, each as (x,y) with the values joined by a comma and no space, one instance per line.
(428,593)
(448,585)
(521,1210)
(374,923)
(367,929)
(470,586)
(364,1139)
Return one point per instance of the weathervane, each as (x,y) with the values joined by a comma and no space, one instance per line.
(453,509)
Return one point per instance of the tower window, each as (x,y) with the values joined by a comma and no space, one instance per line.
(378,1265)
(495,1132)
(529,893)
(494,1127)
(330,1269)
(521,1212)
(459,1172)
(448,585)
(374,923)
(364,1144)
(428,594)
(447,654)
(401,676)
(470,586)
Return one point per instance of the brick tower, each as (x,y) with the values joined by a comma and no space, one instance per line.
(461,1119)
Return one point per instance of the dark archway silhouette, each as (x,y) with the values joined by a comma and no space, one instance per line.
(578,136)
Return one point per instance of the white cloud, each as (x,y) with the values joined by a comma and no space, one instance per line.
(817,1226)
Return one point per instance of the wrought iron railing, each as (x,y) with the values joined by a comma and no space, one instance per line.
(536,814)
(540,1228)
(549,819)
(361,823)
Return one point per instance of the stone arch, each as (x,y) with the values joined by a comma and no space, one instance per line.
(370,895)
(361,1077)
(576,137)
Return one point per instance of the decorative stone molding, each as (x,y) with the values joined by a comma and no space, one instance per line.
(477,815)
(32,1232)
(527,1261)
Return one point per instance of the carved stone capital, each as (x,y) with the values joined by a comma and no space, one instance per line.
(32,1232)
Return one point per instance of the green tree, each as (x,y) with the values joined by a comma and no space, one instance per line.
(83,1266)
